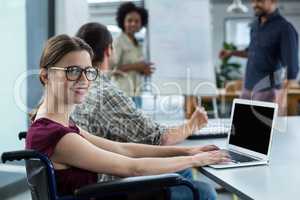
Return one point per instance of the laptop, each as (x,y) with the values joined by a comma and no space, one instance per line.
(250,136)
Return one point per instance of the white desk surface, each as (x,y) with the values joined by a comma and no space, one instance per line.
(279,180)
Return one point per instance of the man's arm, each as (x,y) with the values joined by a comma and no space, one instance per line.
(227,53)
(289,52)
(178,134)
(115,117)
(132,125)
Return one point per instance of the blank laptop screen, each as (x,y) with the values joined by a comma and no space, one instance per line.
(251,127)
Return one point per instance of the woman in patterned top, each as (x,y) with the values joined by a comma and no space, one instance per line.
(77,156)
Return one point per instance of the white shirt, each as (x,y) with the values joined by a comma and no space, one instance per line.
(125,52)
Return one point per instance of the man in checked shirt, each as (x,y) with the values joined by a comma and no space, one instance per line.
(107,111)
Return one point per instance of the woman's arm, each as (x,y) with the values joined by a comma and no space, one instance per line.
(140,67)
(73,150)
(136,150)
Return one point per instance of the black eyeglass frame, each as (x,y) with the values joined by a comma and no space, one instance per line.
(85,70)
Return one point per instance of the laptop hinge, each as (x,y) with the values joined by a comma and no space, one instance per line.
(242,153)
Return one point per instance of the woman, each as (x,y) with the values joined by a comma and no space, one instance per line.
(77,156)
(129,63)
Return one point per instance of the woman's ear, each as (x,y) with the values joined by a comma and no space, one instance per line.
(44,76)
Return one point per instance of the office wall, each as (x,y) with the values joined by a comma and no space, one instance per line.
(13,64)
(105,12)
(70,15)
(37,33)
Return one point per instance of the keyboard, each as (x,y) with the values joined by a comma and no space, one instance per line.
(239,158)
(216,128)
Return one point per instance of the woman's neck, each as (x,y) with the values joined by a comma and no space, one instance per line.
(132,38)
(51,109)
(130,35)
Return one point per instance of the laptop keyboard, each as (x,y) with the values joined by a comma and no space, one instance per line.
(239,158)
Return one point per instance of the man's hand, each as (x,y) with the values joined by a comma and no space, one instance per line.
(291,84)
(198,119)
(225,54)
(281,96)
(178,134)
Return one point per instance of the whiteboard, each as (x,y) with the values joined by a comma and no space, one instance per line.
(180,46)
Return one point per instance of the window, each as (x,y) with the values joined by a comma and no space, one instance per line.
(237,31)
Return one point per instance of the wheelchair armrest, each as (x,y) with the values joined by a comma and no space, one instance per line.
(130,184)
(19,155)
(22,135)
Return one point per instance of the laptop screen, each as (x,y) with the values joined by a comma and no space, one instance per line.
(251,127)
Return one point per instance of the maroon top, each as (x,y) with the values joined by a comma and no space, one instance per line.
(43,135)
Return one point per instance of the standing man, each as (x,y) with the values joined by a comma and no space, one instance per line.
(273,46)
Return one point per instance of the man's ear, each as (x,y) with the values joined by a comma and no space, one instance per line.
(107,52)
(44,76)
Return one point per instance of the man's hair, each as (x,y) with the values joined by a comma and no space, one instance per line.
(98,37)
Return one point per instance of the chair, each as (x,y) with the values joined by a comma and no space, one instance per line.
(42,183)
(22,135)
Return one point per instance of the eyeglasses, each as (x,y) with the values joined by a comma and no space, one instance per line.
(73,73)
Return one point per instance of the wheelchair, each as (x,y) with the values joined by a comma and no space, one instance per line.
(42,184)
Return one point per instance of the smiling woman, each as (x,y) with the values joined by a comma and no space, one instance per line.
(64,61)
(129,63)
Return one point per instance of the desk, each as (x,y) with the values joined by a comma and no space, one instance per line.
(278,181)
(224,96)
(293,99)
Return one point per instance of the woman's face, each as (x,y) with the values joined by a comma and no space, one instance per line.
(132,23)
(65,91)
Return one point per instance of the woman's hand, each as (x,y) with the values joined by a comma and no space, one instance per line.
(210,157)
(148,71)
(195,150)
(145,68)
